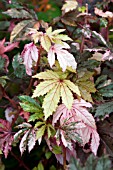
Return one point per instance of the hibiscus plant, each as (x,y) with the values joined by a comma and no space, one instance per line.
(56,85)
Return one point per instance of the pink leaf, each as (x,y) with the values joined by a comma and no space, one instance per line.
(84,123)
(107,55)
(7,48)
(94,141)
(30,55)
(6,137)
(64,57)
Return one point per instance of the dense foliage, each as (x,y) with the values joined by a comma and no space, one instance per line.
(56,85)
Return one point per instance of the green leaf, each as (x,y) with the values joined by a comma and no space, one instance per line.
(17,66)
(92,163)
(57,149)
(104,109)
(30,105)
(100,79)
(36,116)
(39,124)
(28,99)
(40,166)
(40,132)
(50,101)
(86,86)
(50,131)
(3,80)
(75,164)
(48,155)
(51,13)
(85,94)
(103,163)
(2,63)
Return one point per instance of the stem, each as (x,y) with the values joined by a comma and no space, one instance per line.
(83,38)
(82,44)
(20,161)
(28,91)
(64,158)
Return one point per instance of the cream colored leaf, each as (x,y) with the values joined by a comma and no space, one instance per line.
(58,31)
(63,37)
(72,87)
(67,97)
(46,42)
(47,75)
(97,56)
(18,28)
(69,5)
(40,132)
(49,30)
(44,87)
(51,100)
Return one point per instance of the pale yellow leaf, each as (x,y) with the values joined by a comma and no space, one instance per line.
(49,30)
(46,42)
(51,100)
(97,56)
(69,5)
(72,87)
(62,37)
(40,131)
(67,97)
(47,75)
(44,87)
(57,31)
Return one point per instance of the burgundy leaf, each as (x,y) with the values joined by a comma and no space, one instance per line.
(6,137)
(7,48)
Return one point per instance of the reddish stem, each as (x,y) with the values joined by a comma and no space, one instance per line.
(13,103)
(20,161)
(64,158)
(83,38)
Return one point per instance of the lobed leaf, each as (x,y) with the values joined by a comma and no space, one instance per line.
(23,142)
(40,131)
(18,29)
(31,140)
(45,42)
(50,101)
(72,87)
(47,75)
(44,87)
(67,97)
(18,13)
(104,109)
